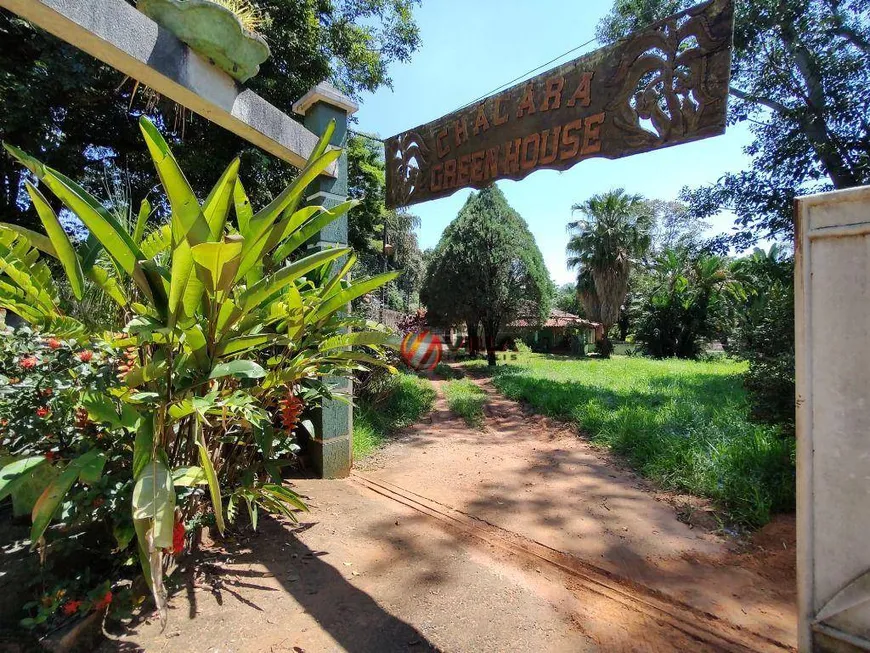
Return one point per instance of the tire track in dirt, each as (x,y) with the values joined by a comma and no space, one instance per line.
(583,578)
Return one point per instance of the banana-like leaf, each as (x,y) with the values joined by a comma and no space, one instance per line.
(141,221)
(62,245)
(285,495)
(38,240)
(218,262)
(17,473)
(355,339)
(336,278)
(157,242)
(195,341)
(154,278)
(360,357)
(102,224)
(261,223)
(189,476)
(311,229)
(108,283)
(88,467)
(211,476)
(20,263)
(240,369)
(154,498)
(244,211)
(341,299)
(263,290)
(217,204)
(244,343)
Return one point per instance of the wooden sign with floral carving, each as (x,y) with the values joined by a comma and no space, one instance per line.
(664,85)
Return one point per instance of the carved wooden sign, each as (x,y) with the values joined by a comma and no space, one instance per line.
(664,85)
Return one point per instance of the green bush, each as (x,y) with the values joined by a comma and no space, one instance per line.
(466,399)
(682,423)
(392,403)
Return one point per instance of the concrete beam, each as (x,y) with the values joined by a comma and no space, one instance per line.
(117,34)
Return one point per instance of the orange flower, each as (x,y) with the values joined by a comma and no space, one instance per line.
(71,607)
(86,355)
(104,602)
(28,363)
(53,343)
(42,411)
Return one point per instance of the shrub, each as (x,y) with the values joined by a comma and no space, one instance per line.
(390,403)
(233,329)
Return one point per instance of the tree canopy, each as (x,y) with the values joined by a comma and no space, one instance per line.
(801,78)
(487,269)
(77,114)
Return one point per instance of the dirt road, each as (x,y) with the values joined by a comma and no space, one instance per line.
(515,537)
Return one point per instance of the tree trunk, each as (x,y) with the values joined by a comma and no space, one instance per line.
(489,334)
(473,344)
(603,346)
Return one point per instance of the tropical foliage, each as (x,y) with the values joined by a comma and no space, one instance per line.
(230,329)
(682,298)
(611,237)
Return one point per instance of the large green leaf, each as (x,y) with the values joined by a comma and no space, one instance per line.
(154,498)
(239,369)
(102,224)
(38,240)
(347,295)
(311,229)
(88,467)
(108,283)
(189,476)
(141,221)
(244,211)
(217,204)
(211,476)
(260,225)
(62,245)
(266,288)
(217,263)
(17,473)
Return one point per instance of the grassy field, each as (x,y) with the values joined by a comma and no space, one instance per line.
(466,400)
(401,402)
(681,423)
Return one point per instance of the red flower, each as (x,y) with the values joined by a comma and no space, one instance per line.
(81,417)
(291,408)
(28,363)
(86,355)
(104,602)
(71,607)
(42,411)
(178,533)
(53,343)
(50,456)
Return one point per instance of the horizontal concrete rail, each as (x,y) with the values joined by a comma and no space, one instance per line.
(124,38)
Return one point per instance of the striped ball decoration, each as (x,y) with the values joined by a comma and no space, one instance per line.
(421,351)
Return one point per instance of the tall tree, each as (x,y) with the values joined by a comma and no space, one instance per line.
(487,269)
(613,234)
(801,78)
(76,114)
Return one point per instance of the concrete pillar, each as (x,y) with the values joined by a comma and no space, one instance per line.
(331,450)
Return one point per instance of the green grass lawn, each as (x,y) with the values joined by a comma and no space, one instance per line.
(681,423)
(402,401)
(466,400)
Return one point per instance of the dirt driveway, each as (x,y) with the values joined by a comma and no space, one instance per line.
(515,537)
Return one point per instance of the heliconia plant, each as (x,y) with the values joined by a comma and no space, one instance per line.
(231,325)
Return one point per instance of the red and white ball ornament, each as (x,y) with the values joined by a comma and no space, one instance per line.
(422,350)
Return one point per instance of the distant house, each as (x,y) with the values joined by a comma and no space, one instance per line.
(562,332)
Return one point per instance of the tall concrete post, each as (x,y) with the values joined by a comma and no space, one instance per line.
(331,450)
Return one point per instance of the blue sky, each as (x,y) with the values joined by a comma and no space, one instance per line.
(470,47)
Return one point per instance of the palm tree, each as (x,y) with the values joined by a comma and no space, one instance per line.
(613,233)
